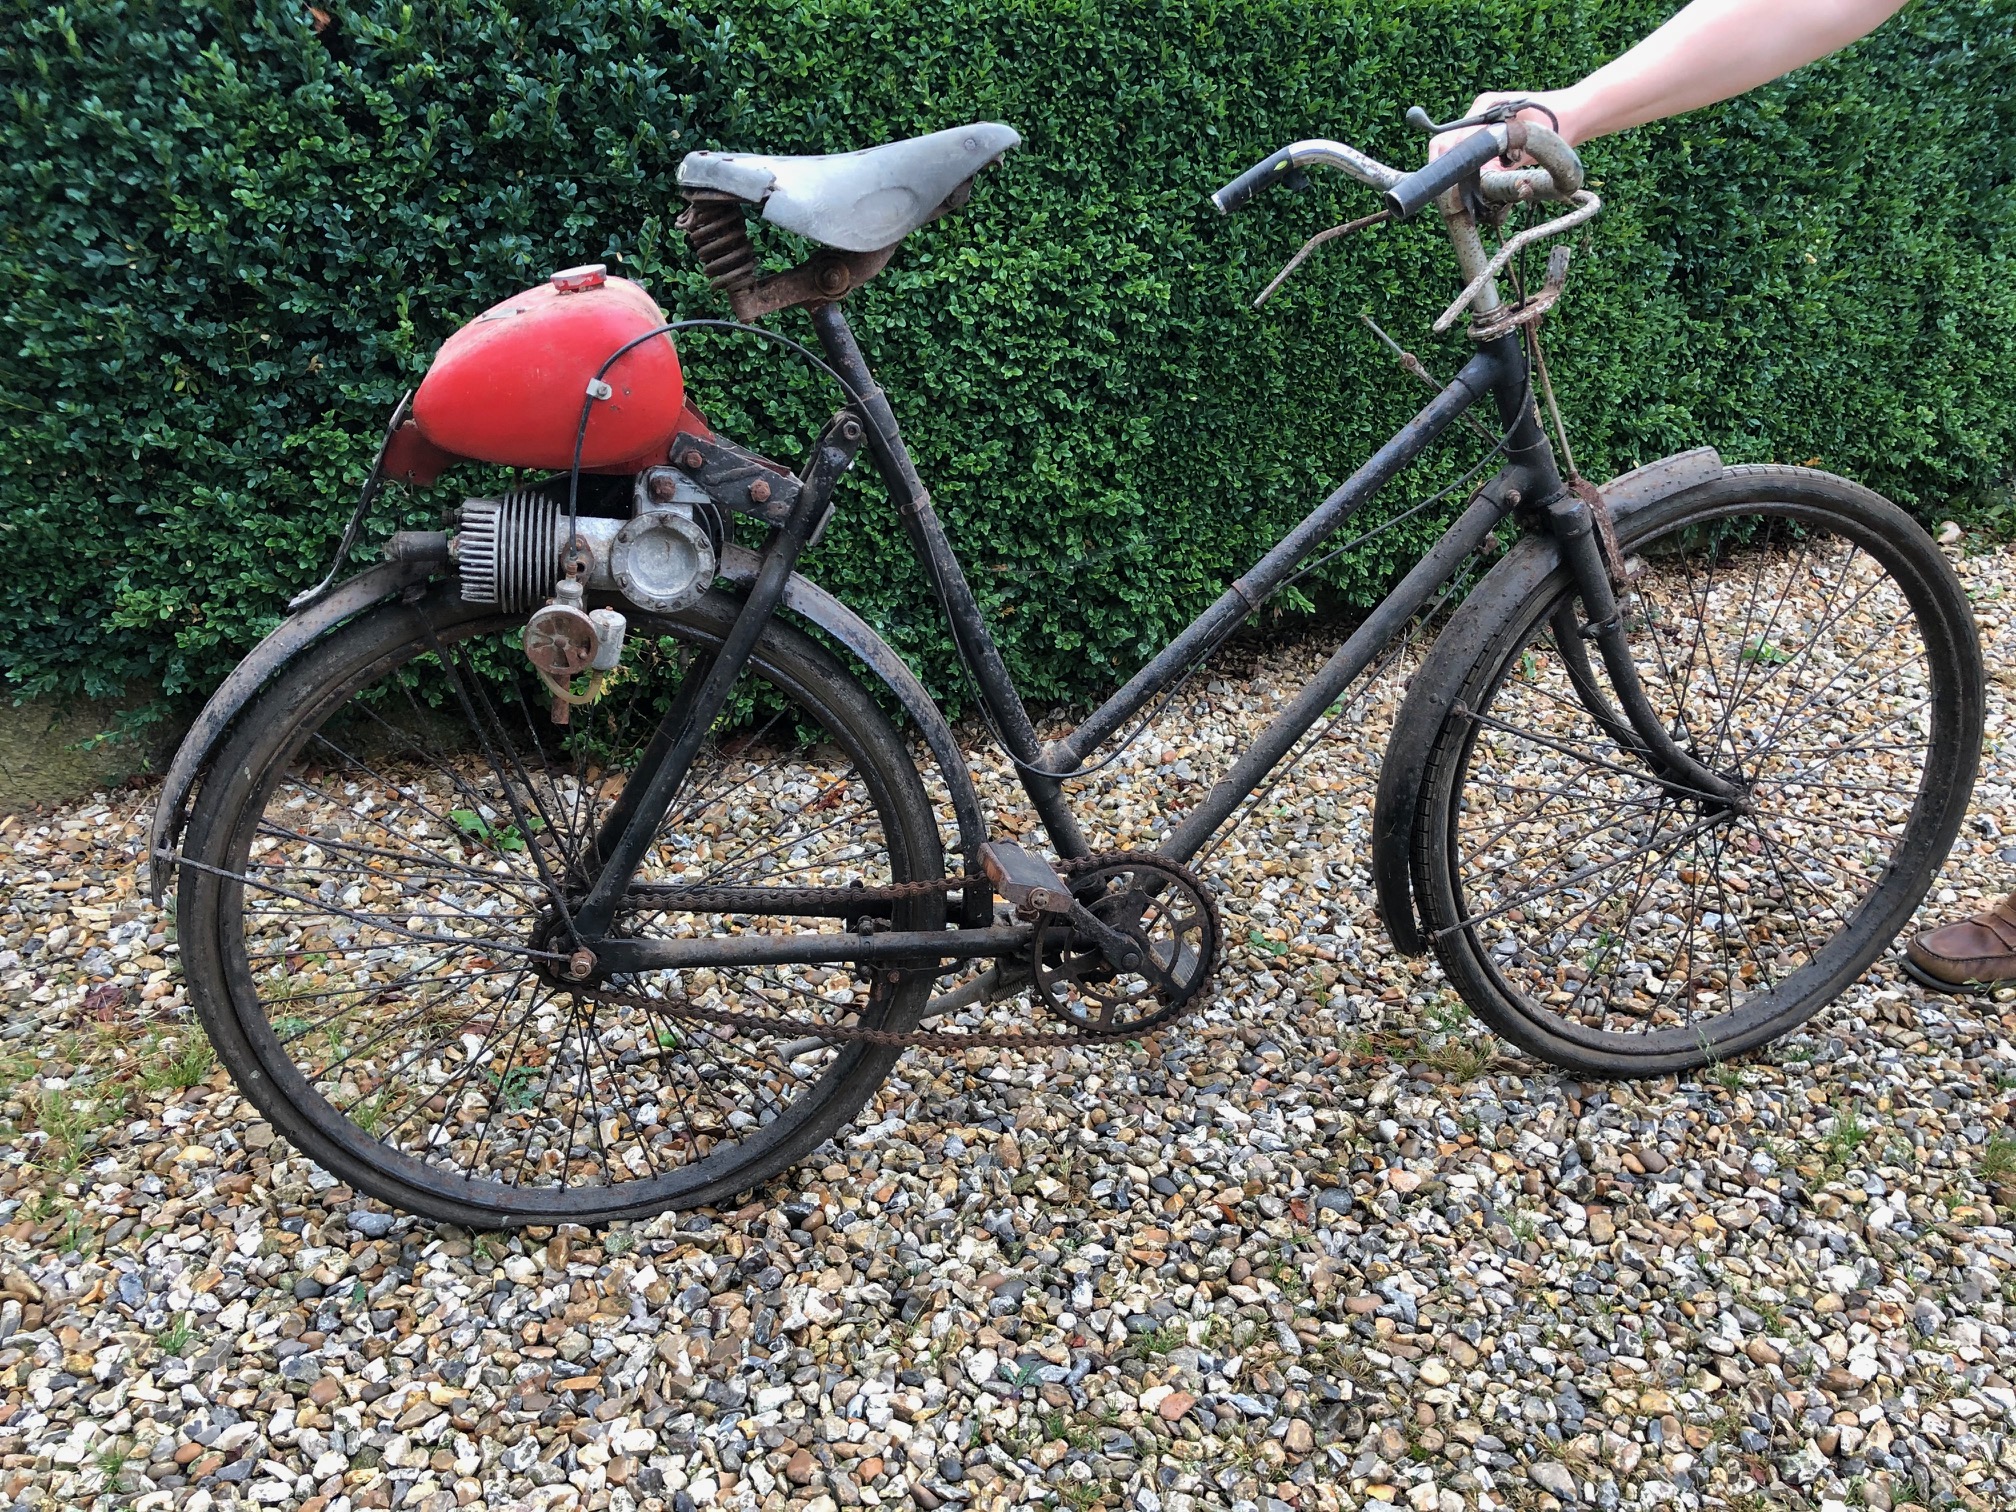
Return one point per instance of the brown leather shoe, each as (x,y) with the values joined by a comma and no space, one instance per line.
(1974,954)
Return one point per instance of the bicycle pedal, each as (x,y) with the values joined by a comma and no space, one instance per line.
(1028,882)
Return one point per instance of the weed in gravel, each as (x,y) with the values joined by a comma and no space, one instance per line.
(179,1065)
(1459,1059)
(177,1337)
(67,1121)
(79,1236)
(1998,1160)
(1448,1014)
(1156,1342)
(17,1075)
(1847,1136)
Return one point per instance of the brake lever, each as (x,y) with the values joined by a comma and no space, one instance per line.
(1496,115)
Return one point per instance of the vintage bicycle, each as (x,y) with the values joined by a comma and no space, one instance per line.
(568,864)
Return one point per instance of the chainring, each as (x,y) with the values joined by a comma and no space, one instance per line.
(1164,908)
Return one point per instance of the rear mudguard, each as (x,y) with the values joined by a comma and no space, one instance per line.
(1433,687)
(287,640)
(388,579)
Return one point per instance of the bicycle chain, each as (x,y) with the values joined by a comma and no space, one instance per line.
(932,1039)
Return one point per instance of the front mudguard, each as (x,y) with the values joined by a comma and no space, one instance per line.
(1432,689)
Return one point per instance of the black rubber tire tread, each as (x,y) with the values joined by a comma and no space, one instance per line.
(281,720)
(1497,621)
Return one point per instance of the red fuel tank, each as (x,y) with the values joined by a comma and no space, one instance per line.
(508,387)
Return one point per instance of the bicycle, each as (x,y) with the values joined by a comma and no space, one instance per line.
(502,946)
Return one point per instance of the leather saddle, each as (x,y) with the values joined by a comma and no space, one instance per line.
(857,201)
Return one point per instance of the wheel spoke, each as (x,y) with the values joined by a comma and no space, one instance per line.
(1594,892)
(399,950)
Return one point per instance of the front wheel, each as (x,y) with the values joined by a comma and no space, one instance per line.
(1800,636)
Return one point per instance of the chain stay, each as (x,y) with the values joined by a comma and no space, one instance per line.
(924,1039)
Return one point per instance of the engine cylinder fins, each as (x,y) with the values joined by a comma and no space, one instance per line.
(509,549)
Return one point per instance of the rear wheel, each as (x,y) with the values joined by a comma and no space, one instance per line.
(1800,636)
(371,931)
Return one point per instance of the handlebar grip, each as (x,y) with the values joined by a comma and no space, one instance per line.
(1268,170)
(1420,187)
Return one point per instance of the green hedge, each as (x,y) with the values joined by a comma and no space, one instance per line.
(228,240)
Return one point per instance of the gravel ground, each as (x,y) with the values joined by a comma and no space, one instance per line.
(1327,1245)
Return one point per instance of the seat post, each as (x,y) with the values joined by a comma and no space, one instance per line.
(948,580)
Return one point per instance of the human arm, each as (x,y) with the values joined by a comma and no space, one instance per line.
(1711,51)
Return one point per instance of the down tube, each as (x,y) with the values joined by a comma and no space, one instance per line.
(1344,668)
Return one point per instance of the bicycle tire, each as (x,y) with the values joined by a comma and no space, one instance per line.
(1557,962)
(280,740)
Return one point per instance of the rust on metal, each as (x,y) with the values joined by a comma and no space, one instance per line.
(737,478)
(717,228)
(1029,882)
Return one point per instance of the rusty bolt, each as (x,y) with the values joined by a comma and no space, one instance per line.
(692,461)
(663,489)
(759,492)
(581,965)
(834,279)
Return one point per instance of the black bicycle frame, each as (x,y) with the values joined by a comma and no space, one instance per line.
(1529,477)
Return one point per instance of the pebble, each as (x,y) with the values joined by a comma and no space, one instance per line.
(1554,1478)
(1324,1239)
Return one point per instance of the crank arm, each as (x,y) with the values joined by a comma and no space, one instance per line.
(1122,952)
(1003,977)
(807,948)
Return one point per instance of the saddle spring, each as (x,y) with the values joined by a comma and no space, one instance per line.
(719,235)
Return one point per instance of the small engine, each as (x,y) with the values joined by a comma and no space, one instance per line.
(509,551)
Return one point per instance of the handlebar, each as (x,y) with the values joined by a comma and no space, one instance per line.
(1253,180)
(1421,187)
(1558,177)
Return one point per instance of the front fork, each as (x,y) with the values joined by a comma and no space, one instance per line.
(1573,524)
(1636,725)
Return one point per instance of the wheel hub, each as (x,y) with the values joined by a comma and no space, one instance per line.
(562,959)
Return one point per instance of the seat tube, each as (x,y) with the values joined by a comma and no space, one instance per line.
(948,580)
